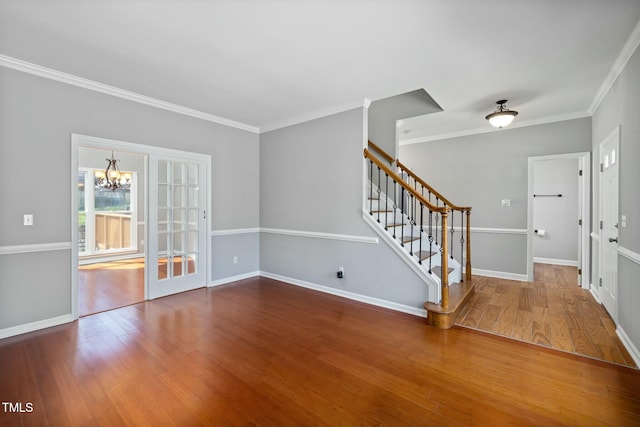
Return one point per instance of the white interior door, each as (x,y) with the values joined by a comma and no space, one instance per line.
(177,225)
(609,152)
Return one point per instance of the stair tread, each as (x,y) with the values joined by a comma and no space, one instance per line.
(407,239)
(424,255)
(437,270)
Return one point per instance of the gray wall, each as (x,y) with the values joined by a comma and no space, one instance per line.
(481,170)
(37,118)
(311,179)
(621,107)
(558,216)
(383,114)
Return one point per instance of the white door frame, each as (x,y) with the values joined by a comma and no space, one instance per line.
(111,144)
(584,187)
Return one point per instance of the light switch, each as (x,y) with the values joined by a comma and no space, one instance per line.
(28,219)
(505,203)
(623,221)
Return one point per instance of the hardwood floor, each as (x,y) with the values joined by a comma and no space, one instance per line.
(108,285)
(260,352)
(552,311)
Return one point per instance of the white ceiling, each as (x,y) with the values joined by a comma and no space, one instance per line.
(265,62)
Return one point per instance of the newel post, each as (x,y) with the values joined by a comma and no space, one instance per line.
(444,280)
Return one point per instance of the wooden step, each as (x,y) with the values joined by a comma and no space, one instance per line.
(422,255)
(407,239)
(459,296)
(437,270)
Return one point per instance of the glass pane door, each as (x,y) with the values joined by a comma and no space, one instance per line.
(178,225)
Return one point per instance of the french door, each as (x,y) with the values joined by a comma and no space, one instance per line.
(177,247)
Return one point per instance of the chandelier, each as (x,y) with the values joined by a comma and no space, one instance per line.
(502,116)
(112,179)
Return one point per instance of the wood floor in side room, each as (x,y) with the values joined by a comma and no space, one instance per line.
(261,352)
(552,311)
(108,285)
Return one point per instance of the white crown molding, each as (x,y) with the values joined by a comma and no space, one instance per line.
(319,235)
(349,295)
(48,73)
(233,231)
(36,247)
(489,128)
(616,69)
(629,254)
(360,103)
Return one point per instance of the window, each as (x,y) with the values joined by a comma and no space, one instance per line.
(107,220)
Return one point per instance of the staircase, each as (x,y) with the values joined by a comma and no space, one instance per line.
(417,222)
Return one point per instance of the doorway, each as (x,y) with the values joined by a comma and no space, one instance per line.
(558,213)
(110,255)
(176,238)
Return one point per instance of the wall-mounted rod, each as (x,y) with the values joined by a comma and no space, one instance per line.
(547,195)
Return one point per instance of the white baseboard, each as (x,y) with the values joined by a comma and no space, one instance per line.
(628,344)
(595,293)
(34,326)
(500,274)
(555,261)
(230,279)
(349,295)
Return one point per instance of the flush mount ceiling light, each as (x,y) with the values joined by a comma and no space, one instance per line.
(502,116)
(112,178)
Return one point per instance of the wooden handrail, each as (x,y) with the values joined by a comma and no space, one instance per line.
(430,188)
(380,151)
(407,187)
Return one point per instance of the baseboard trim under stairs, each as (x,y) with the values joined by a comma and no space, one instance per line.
(459,296)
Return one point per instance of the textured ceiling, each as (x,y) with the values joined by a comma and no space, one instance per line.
(266,62)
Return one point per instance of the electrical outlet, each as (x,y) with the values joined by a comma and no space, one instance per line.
(28,219)
(235,259)
(505,202)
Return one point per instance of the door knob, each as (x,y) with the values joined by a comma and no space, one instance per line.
(611,240)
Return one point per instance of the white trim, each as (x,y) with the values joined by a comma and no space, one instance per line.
(499,274)
(488,129)
(595,236)
(233,231)
(131,147)
(349,295)
(490,230)
(360,103)
(629,254)
(596,294)
(48,73)
(231,279)
(98,259)
(616,69)
(628,344)
(319,235)
(35,326)
(554,261)
(35,247)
